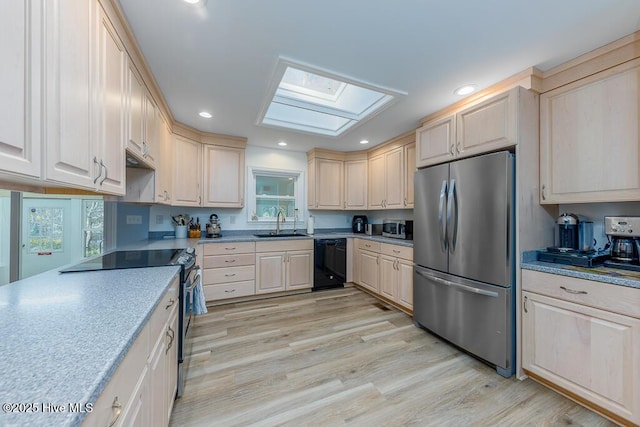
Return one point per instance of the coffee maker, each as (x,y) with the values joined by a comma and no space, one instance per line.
(358,224)
(213,227)
(624,233)
(574,234)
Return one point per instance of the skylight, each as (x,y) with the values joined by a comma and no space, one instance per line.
(314,101)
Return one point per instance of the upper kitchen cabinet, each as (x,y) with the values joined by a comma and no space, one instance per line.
(223,172)
(187,172)
(164,163)
(355,181)
(135,109)
(483,127)
(19,104)
(325,183)
(84,87)
(409,172)
(589,138)
(387,174)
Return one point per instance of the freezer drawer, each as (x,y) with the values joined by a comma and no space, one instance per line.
(474,316)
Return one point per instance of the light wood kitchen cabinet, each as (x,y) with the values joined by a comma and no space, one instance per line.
(589,141)
(386,180)
(355,184)
(84,87)
(223,176)
(20,143)
(284,265)
(409,172)
(149,125)
(187,172)
(135,112)
(165,163)
(434,141)
(228,270)
(487,126)
(368,265)
(583,338)
(325,184)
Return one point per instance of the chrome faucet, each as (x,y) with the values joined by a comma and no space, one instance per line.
(284,219)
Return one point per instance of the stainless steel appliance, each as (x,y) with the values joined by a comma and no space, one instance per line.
(358,223)
(330,263)
(185,258)
(574,234)
(213,227)
(398,228)
(625,242)
(464,255)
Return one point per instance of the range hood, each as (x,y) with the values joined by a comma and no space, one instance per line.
(134,160)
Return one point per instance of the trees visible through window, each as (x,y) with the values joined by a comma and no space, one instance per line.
(93,227)
(46,230)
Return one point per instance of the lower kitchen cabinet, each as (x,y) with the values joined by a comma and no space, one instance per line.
(386,270)
(228,270)
(583,338)
(284,265)
(143,388)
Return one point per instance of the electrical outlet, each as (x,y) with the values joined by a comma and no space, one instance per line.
(232,219)
(134,219)
(159,219)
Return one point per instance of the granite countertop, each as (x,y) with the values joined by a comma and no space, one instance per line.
(64,335)
(613,276)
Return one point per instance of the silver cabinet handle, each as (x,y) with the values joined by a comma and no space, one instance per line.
(171,302)
(230,260)
(458,147)
(525,304)
(571,291)
(106,171)
(452,150)
(172,335)
(544,192)
(395,251)
(230,275)
(116,410)
(229,290)
(95,180)
(229,249)
(405,201)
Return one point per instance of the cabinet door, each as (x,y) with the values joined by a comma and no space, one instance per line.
(589,352)
(157,413)
(435,142)
(69,85)
(409,172)
(355,184)
(311,184)
(488,126)
(110,108)
(329,184)
(19,127)
(377,182)
(171,362)
(388,277)
(223,177)
(135,110)
(270,272)
(299,269)
(405,283)
(394,173)
(368,266)
(165,163)
(149,141)
(187,174)
(589,139)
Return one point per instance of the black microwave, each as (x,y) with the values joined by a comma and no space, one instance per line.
(398,229)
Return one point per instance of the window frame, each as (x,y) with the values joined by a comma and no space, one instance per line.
(298,187)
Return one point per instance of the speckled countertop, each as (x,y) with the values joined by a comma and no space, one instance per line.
(64,335)
(612,276)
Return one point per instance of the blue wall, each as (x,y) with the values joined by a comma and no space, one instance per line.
(131,233)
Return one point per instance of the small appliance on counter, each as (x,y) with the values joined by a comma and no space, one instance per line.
(398,229)
(359,223)
(213,227)
(373,229)
(625,242)
(575,244)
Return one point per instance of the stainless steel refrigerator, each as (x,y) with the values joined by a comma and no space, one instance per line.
(463,288)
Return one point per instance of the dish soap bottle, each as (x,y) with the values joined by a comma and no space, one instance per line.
(310,225)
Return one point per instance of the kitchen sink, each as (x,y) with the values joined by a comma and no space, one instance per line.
(287,234)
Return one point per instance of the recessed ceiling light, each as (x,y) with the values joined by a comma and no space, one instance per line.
(364,141)
(282,144)
(204,113)
(465,90)
(192,1)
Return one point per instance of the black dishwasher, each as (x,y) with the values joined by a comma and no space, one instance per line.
(330,263)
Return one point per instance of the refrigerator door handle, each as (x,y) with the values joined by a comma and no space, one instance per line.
(452,225)
(442,229)
(463,288)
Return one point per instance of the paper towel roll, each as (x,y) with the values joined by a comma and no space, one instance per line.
(310,225)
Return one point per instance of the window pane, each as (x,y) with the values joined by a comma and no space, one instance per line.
(274,186)
(46,228)
(268,208)
(93,224)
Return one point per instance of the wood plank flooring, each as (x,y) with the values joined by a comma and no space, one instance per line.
(340,357)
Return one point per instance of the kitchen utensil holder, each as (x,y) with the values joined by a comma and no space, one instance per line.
(181,231)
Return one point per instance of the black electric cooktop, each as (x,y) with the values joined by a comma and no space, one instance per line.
(128,259)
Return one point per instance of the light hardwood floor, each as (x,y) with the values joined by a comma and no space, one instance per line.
(342,357)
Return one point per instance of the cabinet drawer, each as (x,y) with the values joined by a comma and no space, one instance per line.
(163,310)
(404,252)
(284,245)
(229,248)
(230,274)
(229,290)
(614,298)
(218,261)
(369,245)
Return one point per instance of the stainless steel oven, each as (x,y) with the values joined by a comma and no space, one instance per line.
(190,277)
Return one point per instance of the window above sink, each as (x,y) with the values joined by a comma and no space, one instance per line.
(272,191)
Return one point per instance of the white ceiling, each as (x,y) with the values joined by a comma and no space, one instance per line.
(221,57)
